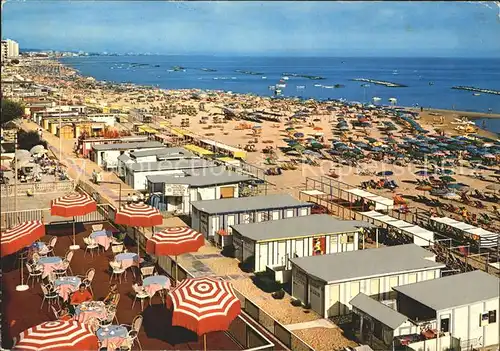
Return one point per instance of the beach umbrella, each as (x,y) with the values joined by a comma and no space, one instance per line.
(451,196)
(494,187)
(290,129)
(298,135)
(447,179)
(318,129)
(422,173)
(4,168)
(21,154)
(385,173)
(57,336)
(204,305)
(424,188)
(37,149)
(175,241)
(458,186)
(138,215)
(73,205)
(17,238)
(5,158)
(448,171)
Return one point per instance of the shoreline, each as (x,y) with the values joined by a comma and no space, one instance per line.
(469,114)
(427,116)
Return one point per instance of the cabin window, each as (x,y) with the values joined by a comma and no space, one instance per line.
(350,238)
(445,324)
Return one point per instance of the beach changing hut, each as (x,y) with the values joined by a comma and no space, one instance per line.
(107,154)
(329,282)
(214,218)
(176,193)
(272,243)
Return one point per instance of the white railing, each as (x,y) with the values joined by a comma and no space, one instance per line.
(37,188)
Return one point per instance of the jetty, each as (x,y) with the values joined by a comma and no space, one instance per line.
(304,76)
(478,90)
(380,82)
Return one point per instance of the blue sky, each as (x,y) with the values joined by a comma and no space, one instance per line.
(452,29)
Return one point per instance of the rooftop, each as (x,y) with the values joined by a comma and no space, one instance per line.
(252,203)
(375,262)
(454,290)
(167,165)
(384,314)
(127,146)
(301,226)
(207,177)
(167,151)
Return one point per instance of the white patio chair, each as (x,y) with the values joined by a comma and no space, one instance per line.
(117,271)
(50,295)
(55,312)
(133,334)
(147,271)
(90,245)
(140,294)
(65,266)
(87,279)
(97,227)
(117,248)
(51,245)
(34,272)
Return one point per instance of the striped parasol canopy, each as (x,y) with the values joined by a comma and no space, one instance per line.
(57,336)
(72,205)
(20,236)
(175,241)
(204,305)
(138,215)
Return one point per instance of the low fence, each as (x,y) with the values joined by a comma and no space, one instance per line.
(12,218)
(36,188)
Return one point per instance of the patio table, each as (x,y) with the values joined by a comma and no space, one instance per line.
(115,334)
(102,237)
(50,263)
(90,309)
(65,286)
(155,283)
(128,259)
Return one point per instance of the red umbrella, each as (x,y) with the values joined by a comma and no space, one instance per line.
(72,205)
(138,215)
(204,305)
(58,336)
(19,237)
(175,241)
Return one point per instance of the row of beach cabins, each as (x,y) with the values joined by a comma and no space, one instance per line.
(399,294)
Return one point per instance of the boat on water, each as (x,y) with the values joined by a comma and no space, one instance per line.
(285,78)
(280,85)
(318,85)
(476,94)
(264,77)
(328,86)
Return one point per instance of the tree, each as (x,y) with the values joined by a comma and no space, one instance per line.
(14,61)
(26,140)
(11,110)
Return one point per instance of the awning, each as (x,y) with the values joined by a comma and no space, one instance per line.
(421,236)
(378,311)
(198,150)
(312,192)
(372,214)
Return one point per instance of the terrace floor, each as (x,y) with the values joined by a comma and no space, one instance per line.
(21,310)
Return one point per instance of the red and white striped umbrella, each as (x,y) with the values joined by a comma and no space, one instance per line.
(138,215)
(57,336)
(204,305)
(72,205)
(175,241)
(20,236)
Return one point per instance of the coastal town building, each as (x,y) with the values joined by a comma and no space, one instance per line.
(214,218)
(10,49)
(106,155)
(176,192)
(153,155)
(329,282)
(274,243)
(84,145)
(453,312)
(134,174)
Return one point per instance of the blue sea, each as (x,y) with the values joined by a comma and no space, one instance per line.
(428,80)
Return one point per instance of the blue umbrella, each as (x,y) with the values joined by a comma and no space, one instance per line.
(385,173)
(298,135)
(422,173)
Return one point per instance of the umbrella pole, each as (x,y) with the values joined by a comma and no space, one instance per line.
(22,286)
(74,246)
(205,342)
(176,269)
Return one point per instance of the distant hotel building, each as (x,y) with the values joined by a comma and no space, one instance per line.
(10,49)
